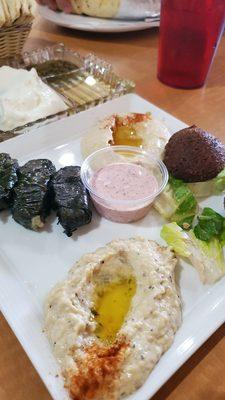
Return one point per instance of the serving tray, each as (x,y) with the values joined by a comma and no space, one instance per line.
(31,263)
(82,82)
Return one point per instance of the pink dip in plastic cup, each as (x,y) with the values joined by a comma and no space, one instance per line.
(123,181)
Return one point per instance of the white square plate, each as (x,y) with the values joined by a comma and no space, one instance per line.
(31,263)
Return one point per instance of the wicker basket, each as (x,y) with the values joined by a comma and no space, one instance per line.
(12,39)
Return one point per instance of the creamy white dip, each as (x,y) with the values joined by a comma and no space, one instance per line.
(25,98)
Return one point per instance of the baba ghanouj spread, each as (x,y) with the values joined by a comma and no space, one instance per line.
(114,316)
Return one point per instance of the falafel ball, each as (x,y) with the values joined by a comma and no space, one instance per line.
(194,155)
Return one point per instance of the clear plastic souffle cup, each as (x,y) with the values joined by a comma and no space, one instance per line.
(114,207)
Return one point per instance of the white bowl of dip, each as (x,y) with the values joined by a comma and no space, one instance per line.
(123,181)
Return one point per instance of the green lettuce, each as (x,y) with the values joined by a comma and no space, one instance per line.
(206,257)
(210,224)
(177,203)
(220,182)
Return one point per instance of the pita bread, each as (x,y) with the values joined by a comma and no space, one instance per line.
(2,15)
(25,8)
(8,21)
(100,8)
(16,12)
(27,12)
(32,8)
(14,7)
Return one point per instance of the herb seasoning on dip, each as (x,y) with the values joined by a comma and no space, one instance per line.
(123,181)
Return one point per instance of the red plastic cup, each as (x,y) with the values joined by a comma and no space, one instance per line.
(190,31)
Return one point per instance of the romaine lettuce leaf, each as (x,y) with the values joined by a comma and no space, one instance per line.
(207,257)
(177,238)
(177,203)
(210,224)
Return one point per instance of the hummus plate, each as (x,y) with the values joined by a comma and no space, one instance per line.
(31,264)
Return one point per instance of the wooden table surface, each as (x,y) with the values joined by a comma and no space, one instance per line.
(134,56)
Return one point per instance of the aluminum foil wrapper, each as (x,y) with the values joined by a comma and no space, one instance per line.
(138,9)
